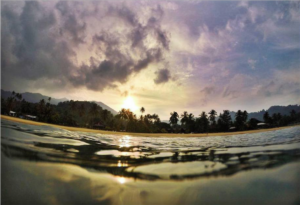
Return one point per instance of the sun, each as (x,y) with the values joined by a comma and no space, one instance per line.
(129,104)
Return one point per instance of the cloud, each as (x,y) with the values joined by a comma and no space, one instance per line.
(33,52)
(162,76)
(96,46)
(71,24)
(229,93)
(283,83)
(252,63)
(58,42)
(208,90)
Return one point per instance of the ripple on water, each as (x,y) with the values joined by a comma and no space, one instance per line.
(181,169)
(117,153)
(146,157)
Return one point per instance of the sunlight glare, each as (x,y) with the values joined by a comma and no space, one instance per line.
(129,104)
(122,164)
(121,180)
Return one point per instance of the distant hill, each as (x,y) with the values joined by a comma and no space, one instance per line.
(33,97)
(36,97)
(283,110)
(101,104)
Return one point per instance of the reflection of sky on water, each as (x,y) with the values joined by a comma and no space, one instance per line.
(122,163)
(125,141)
(70,184)
(121,180)
(93,168)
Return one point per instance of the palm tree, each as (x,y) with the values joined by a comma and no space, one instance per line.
(141,118)
(188,121)
(148,119)
(174,118)
(212,116)
(184,118)
(142,110)
(11,101)
(267,118)
(202,123)
(245,116)
(41,108)
(239,120)
(156,119)
(48,109)
(19,96)
(224,121)
(125,114)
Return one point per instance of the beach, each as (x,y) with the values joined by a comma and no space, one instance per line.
(78,129)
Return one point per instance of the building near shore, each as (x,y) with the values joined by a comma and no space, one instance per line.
(232,129)
(12,113)
(30,117)
(262,125)
(98,125)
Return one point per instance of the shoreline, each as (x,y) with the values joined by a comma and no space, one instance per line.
(79,129)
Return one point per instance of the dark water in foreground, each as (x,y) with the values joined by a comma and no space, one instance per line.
(46,165)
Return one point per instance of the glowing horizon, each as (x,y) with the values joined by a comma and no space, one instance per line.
(167,56)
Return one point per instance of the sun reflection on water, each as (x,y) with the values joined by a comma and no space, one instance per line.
(121,180)
(125,141)
(122,164)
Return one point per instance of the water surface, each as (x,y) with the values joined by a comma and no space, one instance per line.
(46,165)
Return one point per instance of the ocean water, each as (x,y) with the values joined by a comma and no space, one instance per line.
(46,165)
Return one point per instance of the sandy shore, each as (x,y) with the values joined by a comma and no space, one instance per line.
(139,134)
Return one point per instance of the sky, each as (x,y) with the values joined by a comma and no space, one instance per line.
(163,55)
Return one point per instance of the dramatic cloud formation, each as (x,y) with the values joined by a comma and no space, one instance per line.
(174,54)
(43,40)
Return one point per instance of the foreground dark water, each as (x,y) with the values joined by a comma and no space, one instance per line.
(46,165)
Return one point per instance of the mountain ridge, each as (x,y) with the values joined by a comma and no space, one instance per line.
(36,97)
(283,110)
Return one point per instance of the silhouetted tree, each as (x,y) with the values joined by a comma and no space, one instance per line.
(267,118)
(224,121)
(142,110)
(184,118)
(202,123)
(174,118)
(293,115)
(276,117)
(245,116)
(253,123)
(190,123)
(212,119)
(241,119)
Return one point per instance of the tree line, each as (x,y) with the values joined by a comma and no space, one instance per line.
(90,115)
(83,114)
(212,122)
